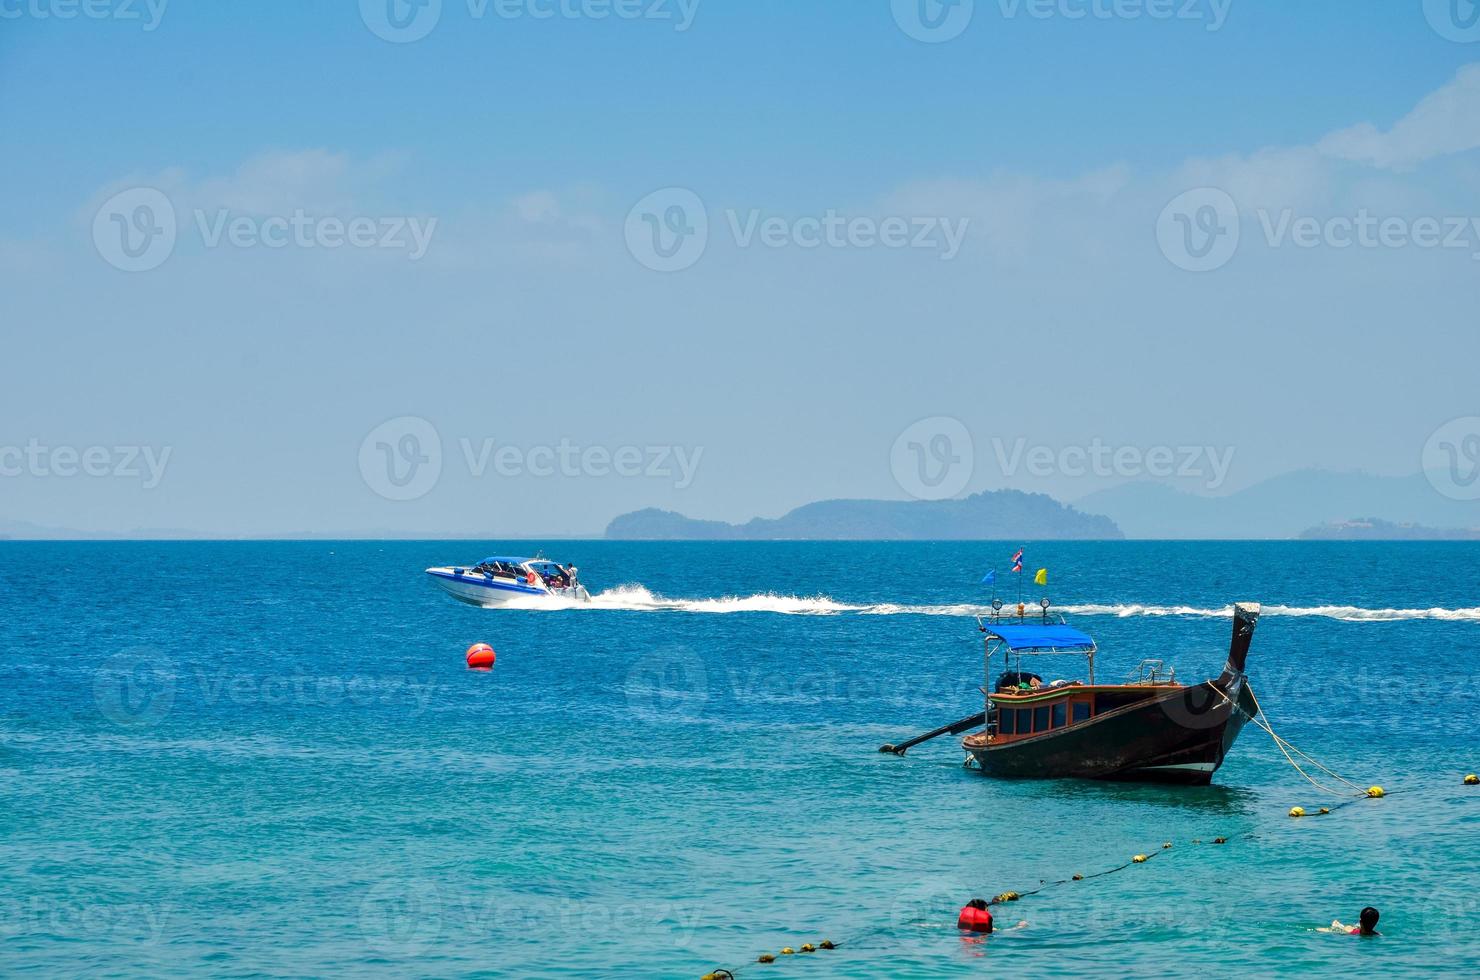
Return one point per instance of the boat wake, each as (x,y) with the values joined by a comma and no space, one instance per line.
(636,598)
(1345,614)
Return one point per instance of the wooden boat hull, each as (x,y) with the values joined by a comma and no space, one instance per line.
(1177,735)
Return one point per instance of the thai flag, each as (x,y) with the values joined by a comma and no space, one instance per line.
(1017,566)
(1017,561)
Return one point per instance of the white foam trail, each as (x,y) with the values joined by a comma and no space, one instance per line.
(636,598)
(1346,614)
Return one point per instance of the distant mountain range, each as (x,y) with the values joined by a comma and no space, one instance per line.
(1307,504)
(992,515)
(1281,507)
(1372,529)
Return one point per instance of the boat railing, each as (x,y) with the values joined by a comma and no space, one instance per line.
(1151,672)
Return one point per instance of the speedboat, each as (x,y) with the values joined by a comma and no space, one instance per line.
(501,580)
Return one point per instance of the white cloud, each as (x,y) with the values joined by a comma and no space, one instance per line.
(1446,121)
(1008,211)
(1268,178)
(279,182)
(537,207)
(1351,168)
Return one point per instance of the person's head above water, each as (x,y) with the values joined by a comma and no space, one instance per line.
(980,903)
(1368,921)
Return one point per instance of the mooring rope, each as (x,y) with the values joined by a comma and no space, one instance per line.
(1286,747)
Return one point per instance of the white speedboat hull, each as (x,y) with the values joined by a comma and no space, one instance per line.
(480,589)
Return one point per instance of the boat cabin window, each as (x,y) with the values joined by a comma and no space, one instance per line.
(1081,711)
(1005,721)
(1024,721)
(1040,719)
(1058,715)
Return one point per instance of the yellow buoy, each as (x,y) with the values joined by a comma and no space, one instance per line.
(765,958)
(1325,809)
(808,948)
(1166,845)
(1079,877)
(1220,840)
(1139,859)
(787,951)
(1297,811)
(828,944)
(1472,780)
(1375,792)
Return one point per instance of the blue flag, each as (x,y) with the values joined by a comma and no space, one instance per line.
(991,578)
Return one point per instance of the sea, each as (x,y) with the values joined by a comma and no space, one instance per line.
(270,759)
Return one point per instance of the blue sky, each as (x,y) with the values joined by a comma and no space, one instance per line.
(780,374)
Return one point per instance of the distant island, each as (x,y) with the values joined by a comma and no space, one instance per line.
(1375,529)
(1280,507)
(991,515)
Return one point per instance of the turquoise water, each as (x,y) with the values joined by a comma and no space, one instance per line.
(269,758)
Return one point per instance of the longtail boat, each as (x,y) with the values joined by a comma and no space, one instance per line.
(1151,727)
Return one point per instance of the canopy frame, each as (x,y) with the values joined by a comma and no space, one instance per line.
(1024,640)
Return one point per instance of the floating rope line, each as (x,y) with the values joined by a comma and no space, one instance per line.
(1002,899)
(1284,745)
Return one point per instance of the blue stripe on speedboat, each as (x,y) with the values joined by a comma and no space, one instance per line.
(487,583)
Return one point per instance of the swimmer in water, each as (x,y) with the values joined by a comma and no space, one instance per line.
(1367,925)
(975,919)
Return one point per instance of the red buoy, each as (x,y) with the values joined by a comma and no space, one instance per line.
(481,656)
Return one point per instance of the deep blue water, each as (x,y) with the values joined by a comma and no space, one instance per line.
(269,758)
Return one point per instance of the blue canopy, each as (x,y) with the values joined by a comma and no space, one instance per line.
(1046,638)
(505,560)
